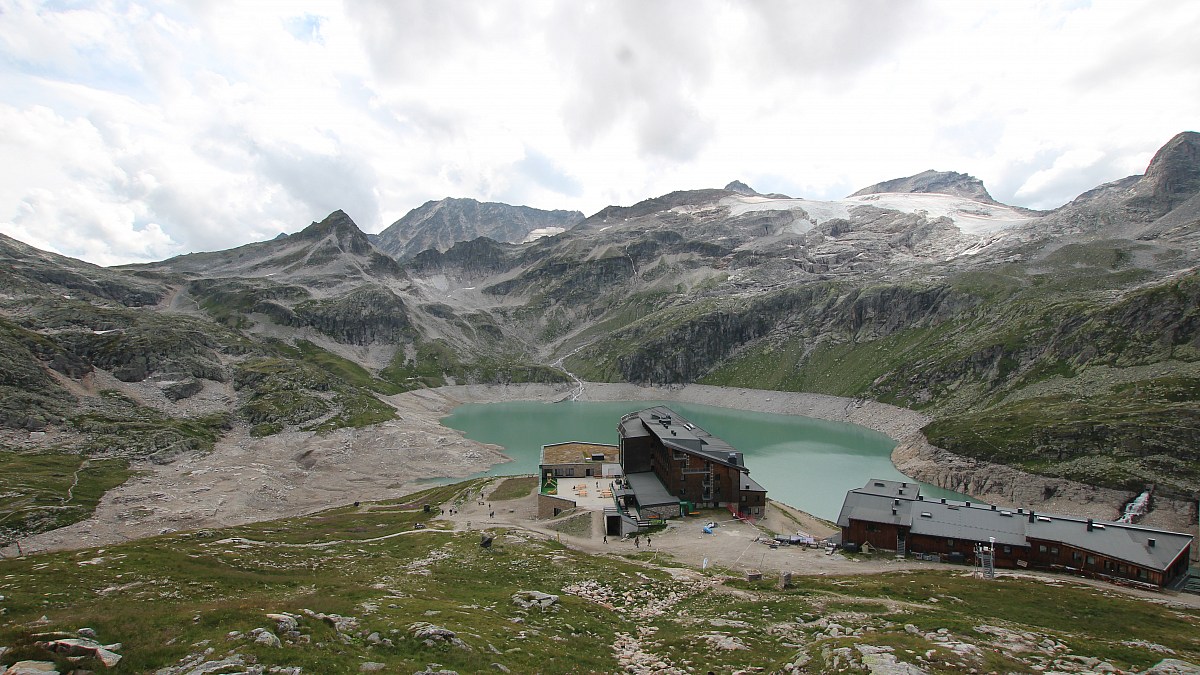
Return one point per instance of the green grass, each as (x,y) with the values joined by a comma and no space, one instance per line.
(168,597)
(344,369)
(514,488)
(46,491)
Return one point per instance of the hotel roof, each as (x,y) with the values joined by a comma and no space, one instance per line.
(676,432)
(900,503)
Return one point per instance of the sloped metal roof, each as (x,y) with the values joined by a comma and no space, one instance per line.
(649,489)
(678,433)
(952,519)
(1115,540)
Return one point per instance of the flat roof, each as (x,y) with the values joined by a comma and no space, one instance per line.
(578,452)
(649,490)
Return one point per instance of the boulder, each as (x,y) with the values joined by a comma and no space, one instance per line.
(268,638)
(531,599)
(1173,667)
(32,668)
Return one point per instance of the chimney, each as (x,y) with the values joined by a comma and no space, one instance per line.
(1020,510)
(1089,524)
(1031,515)
(943,500)
(993,507)
(920,498)
(966,503)
(894,513)
(1149,542)
(895,502)
(904,485)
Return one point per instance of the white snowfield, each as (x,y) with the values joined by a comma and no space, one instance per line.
(971,217)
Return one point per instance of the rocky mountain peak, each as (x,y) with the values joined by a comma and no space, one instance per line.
(441,224)
(342,229)
(942,182)
(741,188)
(1173,175)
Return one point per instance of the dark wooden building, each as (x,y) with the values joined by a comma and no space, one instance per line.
(691,465)
(894,516)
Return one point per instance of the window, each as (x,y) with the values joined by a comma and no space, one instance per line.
(571,471)
(1091,560)
(949,543)
(1008,549)
(871,527)
(1142,574)
(1076,556)
(1041,548)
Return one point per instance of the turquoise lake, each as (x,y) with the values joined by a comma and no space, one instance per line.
(805,462)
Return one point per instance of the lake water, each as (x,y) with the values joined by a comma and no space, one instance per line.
(805,462)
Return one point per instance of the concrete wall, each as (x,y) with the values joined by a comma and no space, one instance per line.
(548,503)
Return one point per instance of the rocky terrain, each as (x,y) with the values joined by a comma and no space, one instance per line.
(441,224)
(1062,344)
(363,589)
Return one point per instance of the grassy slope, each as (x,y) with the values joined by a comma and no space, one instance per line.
(168,597)
(46,491)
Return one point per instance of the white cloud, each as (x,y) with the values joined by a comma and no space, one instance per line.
(143,130)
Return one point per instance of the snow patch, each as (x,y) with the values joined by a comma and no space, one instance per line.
(971,217)
(543,232)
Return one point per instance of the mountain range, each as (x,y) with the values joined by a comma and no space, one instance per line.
(1063,342)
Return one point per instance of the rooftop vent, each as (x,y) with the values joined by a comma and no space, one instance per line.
(901,491)
(895,502)
(1006,513)
(893,510)
(733,458)
(1097,526)
(1020,510)
(1151,542)
(926,514)
(1090,524)
(597,456)
(993,507)
(1044,519)
(878,484)
(943,500)
(920,498)
(966,503)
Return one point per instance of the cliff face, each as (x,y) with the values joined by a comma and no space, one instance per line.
(943,182)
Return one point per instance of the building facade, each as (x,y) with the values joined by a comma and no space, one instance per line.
(693,467)
(894,516)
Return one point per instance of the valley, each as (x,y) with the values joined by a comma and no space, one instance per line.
(1024,357)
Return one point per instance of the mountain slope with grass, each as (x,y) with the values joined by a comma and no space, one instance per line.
(1063,343)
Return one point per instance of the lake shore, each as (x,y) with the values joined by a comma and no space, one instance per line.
(247,479)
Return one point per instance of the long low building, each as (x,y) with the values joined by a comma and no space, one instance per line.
(895,516)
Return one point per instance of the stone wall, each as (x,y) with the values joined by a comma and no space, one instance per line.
(547,505)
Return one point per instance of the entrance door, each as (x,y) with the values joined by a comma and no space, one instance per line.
(613,524)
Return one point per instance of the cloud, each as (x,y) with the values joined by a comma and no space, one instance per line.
(542,171)
(136,130)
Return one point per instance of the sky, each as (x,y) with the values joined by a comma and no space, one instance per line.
(134,131)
